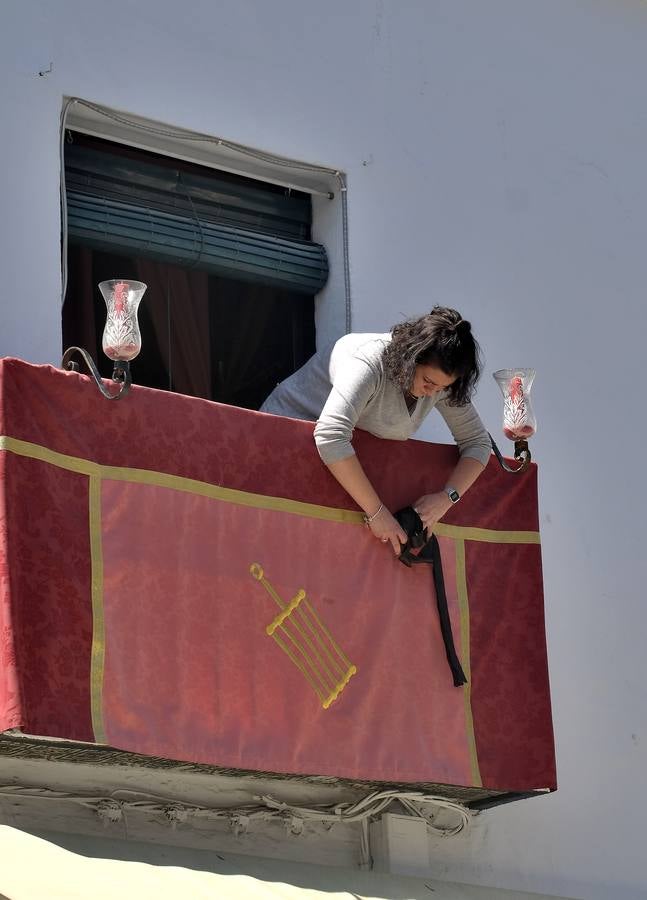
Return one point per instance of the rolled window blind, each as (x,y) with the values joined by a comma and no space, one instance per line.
(233,230)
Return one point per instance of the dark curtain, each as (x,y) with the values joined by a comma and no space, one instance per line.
(79,325)
(178,303)
(173,317)
(260,335)
(205,336)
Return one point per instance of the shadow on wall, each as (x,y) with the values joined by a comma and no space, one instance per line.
(34,867)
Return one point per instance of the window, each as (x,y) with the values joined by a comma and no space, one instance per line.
(229,262)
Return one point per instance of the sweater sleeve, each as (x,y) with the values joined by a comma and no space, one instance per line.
(467,430)
(353,387)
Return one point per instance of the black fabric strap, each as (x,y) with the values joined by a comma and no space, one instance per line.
(421,549)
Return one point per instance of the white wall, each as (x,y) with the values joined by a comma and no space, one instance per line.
(76,868)
(496,162)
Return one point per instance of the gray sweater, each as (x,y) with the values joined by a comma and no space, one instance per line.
(345,386)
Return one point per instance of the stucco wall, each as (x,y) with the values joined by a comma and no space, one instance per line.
(76,868)
(495,155)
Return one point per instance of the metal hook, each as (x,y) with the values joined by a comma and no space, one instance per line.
(120,373)
(521,454)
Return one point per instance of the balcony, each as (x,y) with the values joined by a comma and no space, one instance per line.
(185,589)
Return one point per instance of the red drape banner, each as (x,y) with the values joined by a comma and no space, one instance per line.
(184,579)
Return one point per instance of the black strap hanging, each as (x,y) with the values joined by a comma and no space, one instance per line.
(421,549)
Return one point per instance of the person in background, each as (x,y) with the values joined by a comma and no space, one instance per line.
(387,384)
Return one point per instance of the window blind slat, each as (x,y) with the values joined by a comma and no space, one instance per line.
(222,249)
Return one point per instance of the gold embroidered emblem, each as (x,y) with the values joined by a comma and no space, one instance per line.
(306,641)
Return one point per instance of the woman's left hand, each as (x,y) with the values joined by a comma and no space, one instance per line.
(431,508)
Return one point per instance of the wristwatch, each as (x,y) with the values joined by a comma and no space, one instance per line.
(453,494)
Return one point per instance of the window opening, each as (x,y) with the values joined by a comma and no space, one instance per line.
(226,327)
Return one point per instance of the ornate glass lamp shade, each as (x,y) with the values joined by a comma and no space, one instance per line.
(122,340)
(519,422)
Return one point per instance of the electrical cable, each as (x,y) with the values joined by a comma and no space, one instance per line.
(263,808)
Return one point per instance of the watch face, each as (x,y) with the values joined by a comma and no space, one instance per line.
(453,495)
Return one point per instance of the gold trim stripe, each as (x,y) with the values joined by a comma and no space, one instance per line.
(242,498)
(44,454)
(98,654)
(463,605)
(179,483)
(486,535)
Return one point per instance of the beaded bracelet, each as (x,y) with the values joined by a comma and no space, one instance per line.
(369,519)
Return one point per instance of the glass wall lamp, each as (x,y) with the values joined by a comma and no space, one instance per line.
(519,422)
(121,341)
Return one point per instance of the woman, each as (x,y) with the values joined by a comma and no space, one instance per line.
(387,384)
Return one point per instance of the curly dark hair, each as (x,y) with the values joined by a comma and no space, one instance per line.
(441,338)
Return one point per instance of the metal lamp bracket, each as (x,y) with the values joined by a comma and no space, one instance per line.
(120,373)
(521,454)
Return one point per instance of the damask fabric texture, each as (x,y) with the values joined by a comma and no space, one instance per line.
(184,579)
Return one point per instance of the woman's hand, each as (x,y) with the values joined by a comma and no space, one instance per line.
(350,474)
(431,508)
(385,527)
